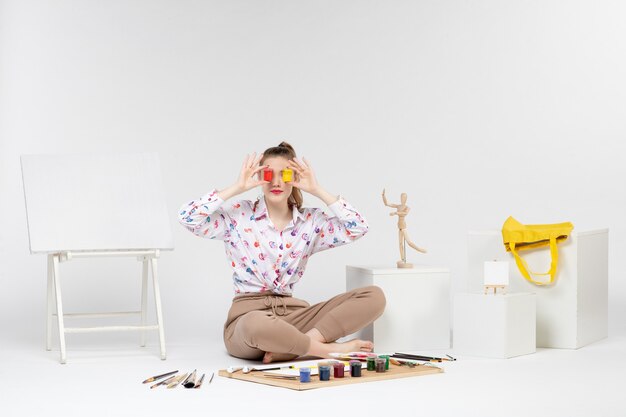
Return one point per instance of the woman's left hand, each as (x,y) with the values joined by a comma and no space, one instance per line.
(305,175)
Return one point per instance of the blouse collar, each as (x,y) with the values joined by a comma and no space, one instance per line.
(261,210)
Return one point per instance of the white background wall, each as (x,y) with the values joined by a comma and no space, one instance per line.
(477,109)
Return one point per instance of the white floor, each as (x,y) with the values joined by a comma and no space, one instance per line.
(104,379)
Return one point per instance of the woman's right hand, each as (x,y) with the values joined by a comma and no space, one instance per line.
(248,178)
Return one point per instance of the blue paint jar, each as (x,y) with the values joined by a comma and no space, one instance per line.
(305,374)
(324,372)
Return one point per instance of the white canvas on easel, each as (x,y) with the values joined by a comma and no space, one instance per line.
(96,206)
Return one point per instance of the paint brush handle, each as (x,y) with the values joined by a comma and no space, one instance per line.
(417,357)
(154,378)
(281,376)
(190,381)
(177,381)
(165,381)
(199,383)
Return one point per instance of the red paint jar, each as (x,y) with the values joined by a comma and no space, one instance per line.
(338,369)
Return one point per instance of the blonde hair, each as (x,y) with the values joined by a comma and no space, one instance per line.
(286,151)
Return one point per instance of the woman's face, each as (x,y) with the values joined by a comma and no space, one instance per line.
(276,191)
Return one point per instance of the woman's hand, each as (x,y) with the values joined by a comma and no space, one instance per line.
(248,178)
(306,180)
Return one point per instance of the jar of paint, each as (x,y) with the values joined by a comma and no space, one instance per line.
(268,174)
(287,175)
(371,363)
(324,371)
(338,368)
(355,369)
(305,374)
(380,364)
(386,358)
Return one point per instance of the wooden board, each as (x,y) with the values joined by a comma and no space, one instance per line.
(394,372)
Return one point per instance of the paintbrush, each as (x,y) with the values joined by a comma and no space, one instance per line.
(281,376)
(177,381)
(190,381)
(248,369)
(199,383)
(417,358)
(422,357)
(154,378)
(165,381)
(447,358)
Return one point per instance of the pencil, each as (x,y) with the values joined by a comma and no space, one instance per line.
(212,375)
(154,378)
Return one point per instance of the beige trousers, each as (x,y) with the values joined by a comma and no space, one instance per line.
(266,322)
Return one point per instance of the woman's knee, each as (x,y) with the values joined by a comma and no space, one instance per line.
(376,298)
(251,324)
(241,341)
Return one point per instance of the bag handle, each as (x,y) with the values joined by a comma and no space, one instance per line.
(523,266)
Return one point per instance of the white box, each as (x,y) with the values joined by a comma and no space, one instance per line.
(417,314)
(494,326)
(574,311)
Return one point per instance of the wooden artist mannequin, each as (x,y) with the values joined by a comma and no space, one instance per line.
(401,211)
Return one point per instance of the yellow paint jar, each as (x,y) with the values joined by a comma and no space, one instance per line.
(287,175)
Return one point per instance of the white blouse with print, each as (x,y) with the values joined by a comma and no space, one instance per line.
(262,257)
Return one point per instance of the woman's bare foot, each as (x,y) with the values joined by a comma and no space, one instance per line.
(323,350)
(355,345)
(278,357)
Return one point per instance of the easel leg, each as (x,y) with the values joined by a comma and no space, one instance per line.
(157,301)
(144,296)
(49,301)
(57,294)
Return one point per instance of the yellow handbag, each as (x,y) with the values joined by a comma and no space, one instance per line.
(518,237)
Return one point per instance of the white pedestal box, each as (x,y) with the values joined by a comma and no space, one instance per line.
(494,326)
(417,314)
(571,313)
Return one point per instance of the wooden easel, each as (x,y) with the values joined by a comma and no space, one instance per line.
(54,298)
(495,276)
(495,288)
(97,206)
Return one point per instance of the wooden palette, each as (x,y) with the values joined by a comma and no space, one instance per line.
(395,371)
